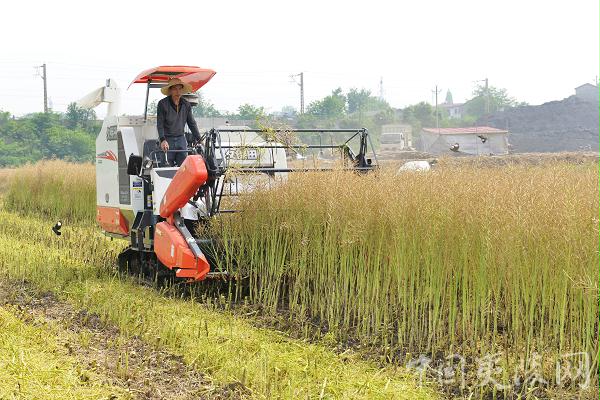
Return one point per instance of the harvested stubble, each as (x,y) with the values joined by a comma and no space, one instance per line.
(35,365)
(460,260)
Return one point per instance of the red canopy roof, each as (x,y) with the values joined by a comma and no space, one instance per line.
(195,76)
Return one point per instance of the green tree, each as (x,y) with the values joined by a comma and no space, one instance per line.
(78,117)
(37,136)
(248,111)
(15,154)
(330,107)
(19,141)
(289,111)
(22,131)
(386,116)
(205,108)
(4,118)
(419,115)
(42,123)
(498,99)
(70,145)
(449,98)
(362,101)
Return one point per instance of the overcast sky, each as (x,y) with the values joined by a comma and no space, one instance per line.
(538,50)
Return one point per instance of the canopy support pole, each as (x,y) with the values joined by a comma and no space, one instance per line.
(146,105)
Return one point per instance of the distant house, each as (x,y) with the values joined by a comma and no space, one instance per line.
(475,140)
(455,110)
(396,137)
(587,92)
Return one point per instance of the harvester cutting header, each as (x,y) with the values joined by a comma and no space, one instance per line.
(156,195)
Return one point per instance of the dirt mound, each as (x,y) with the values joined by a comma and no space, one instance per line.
(546,159)
(403,155)
(567,125)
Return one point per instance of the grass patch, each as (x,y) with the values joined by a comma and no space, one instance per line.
(5,178)
(33,365)
(55,189)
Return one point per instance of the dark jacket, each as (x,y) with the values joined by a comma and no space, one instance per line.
(171,122)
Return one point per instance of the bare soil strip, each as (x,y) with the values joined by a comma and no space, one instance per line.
(127,362)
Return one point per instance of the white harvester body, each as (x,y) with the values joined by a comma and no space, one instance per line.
(120,196)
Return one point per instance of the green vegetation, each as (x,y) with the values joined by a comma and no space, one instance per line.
(248,111)
(356,109)
(33,365)
(71,136)
(489,100)
(44,136)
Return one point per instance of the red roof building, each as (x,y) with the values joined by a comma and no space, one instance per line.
(472,140)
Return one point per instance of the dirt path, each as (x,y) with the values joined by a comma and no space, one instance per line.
(127,362)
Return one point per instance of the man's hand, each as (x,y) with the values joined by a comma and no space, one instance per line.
(164,145)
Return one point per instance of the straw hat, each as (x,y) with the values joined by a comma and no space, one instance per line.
(187,88)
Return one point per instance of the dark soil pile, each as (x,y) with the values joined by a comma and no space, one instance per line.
(567,125)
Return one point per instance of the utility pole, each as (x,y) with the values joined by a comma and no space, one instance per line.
(45,87)
(301,92)
(437,115)
(487,97)
(301,84)
(381,88)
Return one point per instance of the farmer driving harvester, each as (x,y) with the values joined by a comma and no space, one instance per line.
(158,207)
(173,112)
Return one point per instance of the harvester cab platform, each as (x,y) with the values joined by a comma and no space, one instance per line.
(158,208)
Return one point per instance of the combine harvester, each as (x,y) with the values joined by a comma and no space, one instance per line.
(159,207)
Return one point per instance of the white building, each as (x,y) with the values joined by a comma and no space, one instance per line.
(455,110)
(587,92)
(476,140)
